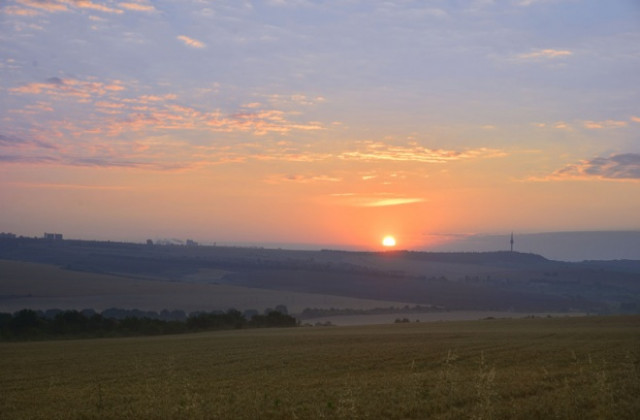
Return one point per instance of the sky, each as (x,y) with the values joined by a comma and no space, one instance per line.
(325,123)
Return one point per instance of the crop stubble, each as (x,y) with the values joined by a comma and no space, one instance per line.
(533,368)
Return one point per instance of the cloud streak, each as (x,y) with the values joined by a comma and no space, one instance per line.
(300,179)
(544,54)
(191,42)
(375,200)
(621,167)
(597,125)
(32,7)
(137,7)
(122,113)
(55,86)
(379,151)
(94,162)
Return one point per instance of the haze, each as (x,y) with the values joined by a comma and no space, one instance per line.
(318,123)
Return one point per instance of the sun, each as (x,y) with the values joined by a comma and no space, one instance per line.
(389,241)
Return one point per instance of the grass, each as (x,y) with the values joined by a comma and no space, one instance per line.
(44,286)
(584,368)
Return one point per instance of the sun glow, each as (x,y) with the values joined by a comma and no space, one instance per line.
(389,241)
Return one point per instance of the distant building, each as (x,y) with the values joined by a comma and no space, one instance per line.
(53,236)
(191,243)
(7,235)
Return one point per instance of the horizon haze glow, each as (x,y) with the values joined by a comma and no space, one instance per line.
(300,121)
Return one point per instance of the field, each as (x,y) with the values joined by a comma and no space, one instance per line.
(45,286)
(583,367)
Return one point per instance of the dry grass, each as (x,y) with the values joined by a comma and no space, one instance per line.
(43,286)
(539,368)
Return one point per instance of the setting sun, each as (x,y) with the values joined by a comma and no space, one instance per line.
(389,241)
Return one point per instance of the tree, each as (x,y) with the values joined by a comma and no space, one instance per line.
(26,322)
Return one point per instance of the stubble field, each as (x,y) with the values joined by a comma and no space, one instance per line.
(533,368)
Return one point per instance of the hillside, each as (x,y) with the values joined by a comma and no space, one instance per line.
(505,281)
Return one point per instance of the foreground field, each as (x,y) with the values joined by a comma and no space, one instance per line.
(534,368)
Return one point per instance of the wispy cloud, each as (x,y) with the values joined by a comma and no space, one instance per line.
(53,6)
(544,54)
(625,166)
(45,5)
(596,125)
(56,86)
(20,11)
(138,7)
(526,3)
(158,112)
(587,124)
(392,202)
(94,162)
(17,141)
(300,179)
(413,152)
(558,125)
(86,4)
(6,158)
(191,42)
(375,200)
(294,99)
(52,186)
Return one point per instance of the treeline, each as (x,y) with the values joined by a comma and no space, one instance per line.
(310,313)
(28,324)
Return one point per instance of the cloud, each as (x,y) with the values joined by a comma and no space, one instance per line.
(378,151)
(16,141)
(100,162)
(190,42)
(27,159)
(137,7)
(625,166)
(392,202)
(300,179)
(596,125)
(19,11)
(376,200)
(296,99)
(45,5)
(149,113)
(55,81)
(56,86)
(558,125)
(588,124)
(260,122)
(65,5)
(155,112)
(50,186)
(86,4)
(121,163)
(544,54)
(526,3)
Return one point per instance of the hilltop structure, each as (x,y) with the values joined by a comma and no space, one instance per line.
(53,236)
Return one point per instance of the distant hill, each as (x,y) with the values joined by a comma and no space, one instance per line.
(499,281)
(560,246)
